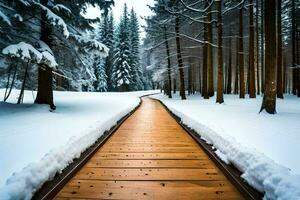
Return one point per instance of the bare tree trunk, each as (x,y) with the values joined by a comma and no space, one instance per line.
(257,49)
(190,79)
(174,86)
(169,63)
(229,71)
(252,91)
(279,53)
(262,50)
(210,56)
(21,96)
(45,89)
(204,68)
(236,81)
(200,79)
(12,83)
(295,70)
(269,100)
(241,55)
(179,59)
(220,87)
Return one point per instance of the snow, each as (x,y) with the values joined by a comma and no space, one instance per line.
(24,51)
(60,7)
(55,19)
(92,45)
(36,143)
(4,18)
(27,52)
(264,147)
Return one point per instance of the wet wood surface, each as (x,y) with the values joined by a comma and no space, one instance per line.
(149,157)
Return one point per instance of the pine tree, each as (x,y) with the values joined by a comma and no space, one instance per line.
(121,77)
(100,84)
(60,30)
(136,72)
(107,36)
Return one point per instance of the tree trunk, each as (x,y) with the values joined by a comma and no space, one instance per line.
(236,81)
(241,55)
(200,79)
(12,83)
(174,86)
(257,49)
(220,87)
(262,50)
(229,71)
(21,96)
(295,70)
(279,53)
(204,64)
(210,56)
(269,100)
(179,59)
(169,63)
(45,90)
(252,91)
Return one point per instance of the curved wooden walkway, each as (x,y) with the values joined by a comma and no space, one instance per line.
(149,157)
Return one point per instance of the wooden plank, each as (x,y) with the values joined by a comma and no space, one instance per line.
(100,163)
(149,174)
(149,190)
(149,157)
(149,149)
(143,156)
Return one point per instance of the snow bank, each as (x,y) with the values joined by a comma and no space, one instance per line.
(36,143)
(264,147)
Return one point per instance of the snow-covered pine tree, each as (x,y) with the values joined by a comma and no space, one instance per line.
(136,72)
(57,23)
(121,77)
(100,84)
(107,36)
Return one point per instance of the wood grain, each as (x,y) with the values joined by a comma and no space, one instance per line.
(149,157)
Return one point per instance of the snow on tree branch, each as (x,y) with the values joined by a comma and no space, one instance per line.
(54,19)
(4,18)
(48,56)
(91,45)
(23,51)
(60,7)
(27,52)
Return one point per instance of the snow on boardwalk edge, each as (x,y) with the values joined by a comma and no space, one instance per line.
(259,171)
(23,184)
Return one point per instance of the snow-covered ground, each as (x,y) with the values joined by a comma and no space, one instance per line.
(36,143)
(264,147)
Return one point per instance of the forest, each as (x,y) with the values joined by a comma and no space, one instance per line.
(247,47)
(49,45)
(149,99)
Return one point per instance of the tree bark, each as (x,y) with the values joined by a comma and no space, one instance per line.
(210,56)
(220,87)
(252,91)
(21,96)
(12,83)
(241,55)
(229,71)
(236,81)
(262,50)
(179,59)
(257,48)
(45,89)
(269,100)
(174,86)
(295,70)
(204,64)
(169,63)
(279,53)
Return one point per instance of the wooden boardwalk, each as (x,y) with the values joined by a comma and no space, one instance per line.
(149,157)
